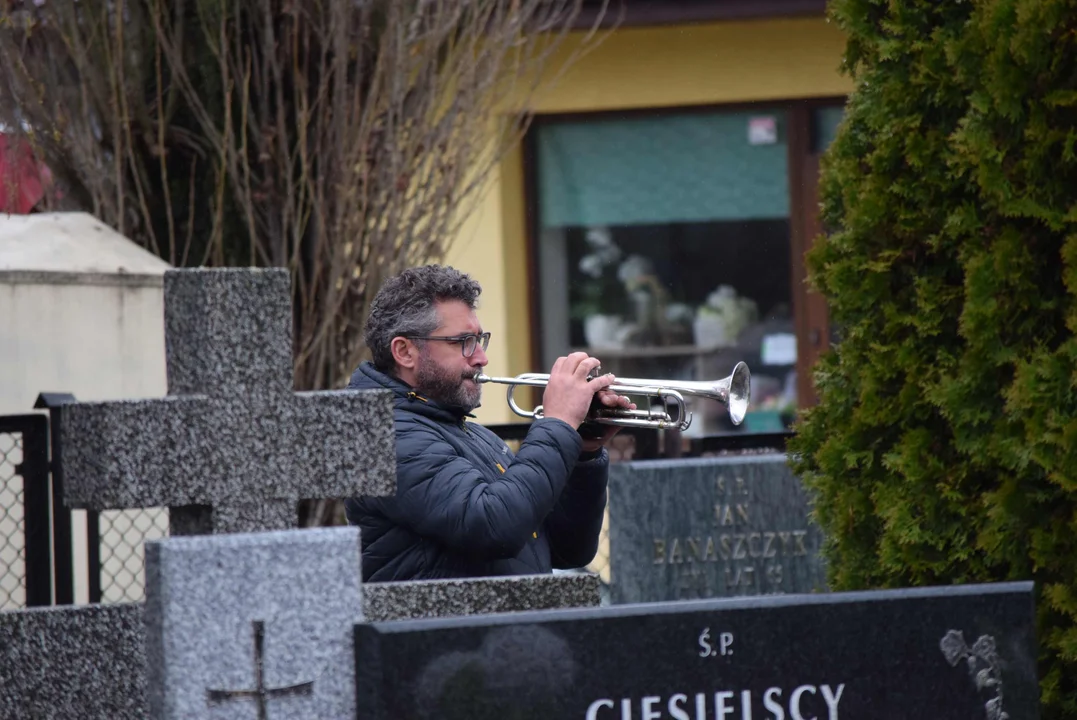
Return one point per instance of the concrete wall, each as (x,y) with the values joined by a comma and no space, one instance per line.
(97,341)
(98,337)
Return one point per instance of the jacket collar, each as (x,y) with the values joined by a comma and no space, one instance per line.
(368,377)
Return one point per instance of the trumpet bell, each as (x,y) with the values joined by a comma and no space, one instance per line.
(739,392)
(734,391)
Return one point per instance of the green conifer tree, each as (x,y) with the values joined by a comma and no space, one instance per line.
(943,448)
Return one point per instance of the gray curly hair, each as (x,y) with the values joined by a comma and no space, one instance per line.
(405,305)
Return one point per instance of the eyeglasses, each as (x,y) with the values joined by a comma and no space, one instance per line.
(468,343)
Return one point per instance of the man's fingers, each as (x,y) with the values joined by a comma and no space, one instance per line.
(569,363)
(609,399)
(586,366)
(613,400)
(601,382)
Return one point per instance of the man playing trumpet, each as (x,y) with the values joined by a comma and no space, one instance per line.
(465,505)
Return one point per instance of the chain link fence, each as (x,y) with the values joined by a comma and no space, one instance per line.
(12,527)
(123,535)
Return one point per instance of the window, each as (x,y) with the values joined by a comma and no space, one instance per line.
(663,247)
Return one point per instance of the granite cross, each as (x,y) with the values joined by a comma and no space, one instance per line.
(231,448)
(260,692)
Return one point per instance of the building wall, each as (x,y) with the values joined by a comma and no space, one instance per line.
(98,339)
(97,342)
(634,68)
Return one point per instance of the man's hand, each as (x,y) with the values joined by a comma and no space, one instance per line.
(611,400)
(568,393)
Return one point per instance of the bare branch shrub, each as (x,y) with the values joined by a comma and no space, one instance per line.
(343,139)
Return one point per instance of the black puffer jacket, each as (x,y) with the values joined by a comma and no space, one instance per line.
(466,506)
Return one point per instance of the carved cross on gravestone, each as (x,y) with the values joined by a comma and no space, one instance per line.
(231,448)
(260,692)
(303,593)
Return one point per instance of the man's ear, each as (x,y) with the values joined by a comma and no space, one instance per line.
(405,353)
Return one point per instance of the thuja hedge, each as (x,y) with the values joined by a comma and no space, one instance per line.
(943,448)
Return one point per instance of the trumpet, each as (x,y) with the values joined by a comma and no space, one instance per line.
(734,390)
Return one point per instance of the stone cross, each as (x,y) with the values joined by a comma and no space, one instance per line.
(231,448)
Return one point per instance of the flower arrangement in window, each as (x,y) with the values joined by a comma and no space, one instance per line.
(629,305)
(599,303)
(722,317)
(596,296)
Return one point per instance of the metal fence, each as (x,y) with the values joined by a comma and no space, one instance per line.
(40,571)
(12,525)
(122,535)
(25,551)
(41,561)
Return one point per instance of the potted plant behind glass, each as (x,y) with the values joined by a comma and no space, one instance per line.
(596,304)
(722,318)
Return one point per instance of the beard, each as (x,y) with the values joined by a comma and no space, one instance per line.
(447,387)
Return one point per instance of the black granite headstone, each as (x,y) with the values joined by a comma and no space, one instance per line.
(954,653)
(710,527)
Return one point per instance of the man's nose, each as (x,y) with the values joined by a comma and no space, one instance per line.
(478,358)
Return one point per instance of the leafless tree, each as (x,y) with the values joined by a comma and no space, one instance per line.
(343,139)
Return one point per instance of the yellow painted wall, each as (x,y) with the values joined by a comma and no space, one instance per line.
(701,65)
(479,251)
(662,67)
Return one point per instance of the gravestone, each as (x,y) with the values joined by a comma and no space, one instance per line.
(73,662)
(475,596)
(710,527)
(89,661)
(253,625)
(959,653)
(232,448)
